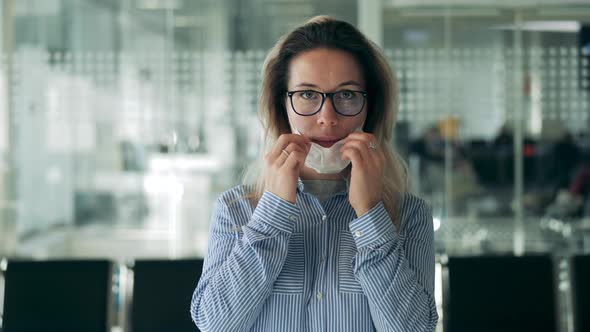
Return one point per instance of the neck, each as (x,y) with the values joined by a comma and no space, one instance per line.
(310,174)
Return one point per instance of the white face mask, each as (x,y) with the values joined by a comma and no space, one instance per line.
(326,160)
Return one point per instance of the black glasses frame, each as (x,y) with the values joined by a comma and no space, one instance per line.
(329,95)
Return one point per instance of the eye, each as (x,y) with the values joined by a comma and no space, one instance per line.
(308,94)
(346,94)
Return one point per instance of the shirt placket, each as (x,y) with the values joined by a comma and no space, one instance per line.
(317,301)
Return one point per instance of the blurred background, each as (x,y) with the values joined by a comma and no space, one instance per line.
(121,121)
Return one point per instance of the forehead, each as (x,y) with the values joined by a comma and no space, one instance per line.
(324,68)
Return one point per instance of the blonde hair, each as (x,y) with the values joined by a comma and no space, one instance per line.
(327,32)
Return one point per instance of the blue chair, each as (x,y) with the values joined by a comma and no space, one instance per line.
(499,293)
(162,293)
(65,296)
(581,292)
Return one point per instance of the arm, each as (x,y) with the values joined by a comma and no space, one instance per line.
(395,271)
(239,273)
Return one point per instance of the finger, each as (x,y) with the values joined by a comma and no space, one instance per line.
(287,151)
(362,147)
(369,139)
(374,155)
(294,160)
(279,146)
(354,155)
(285,140)
(366,137)
(304,142)
(280,160)
(298,139)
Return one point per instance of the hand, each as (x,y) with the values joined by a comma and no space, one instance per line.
(366,177)
(283,164)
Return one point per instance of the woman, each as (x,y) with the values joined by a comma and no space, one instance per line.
(326,237)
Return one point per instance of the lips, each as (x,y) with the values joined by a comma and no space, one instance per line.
(325,142)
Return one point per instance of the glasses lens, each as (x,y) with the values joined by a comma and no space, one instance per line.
(348,102)
(306,102)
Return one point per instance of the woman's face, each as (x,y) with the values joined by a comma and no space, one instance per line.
(325,70)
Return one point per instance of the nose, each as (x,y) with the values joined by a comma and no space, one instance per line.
(327,115)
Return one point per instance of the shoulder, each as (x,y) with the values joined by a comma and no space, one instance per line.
(237,198)
(410,204)
(232,209)
(414,212)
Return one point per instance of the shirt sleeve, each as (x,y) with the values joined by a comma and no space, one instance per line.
(396,271)
(239,272)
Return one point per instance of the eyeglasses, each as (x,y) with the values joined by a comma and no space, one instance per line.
(310,102)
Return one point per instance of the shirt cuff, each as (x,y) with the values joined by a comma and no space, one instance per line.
(373,228)
(276,212)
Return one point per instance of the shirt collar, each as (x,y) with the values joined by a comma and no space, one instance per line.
(301,186)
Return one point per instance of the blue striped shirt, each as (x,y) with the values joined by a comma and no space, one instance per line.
(316,267)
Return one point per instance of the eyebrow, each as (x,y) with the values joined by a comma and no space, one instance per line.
(339,85)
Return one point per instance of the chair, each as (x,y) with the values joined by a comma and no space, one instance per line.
(65,296)
(581,292)
(162,293)
(499,293)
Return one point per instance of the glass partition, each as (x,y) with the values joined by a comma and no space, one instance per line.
(123,121)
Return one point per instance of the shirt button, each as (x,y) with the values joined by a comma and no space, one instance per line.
(319,296)
(293,217)
(322,258)
(324,218)
(358,234)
